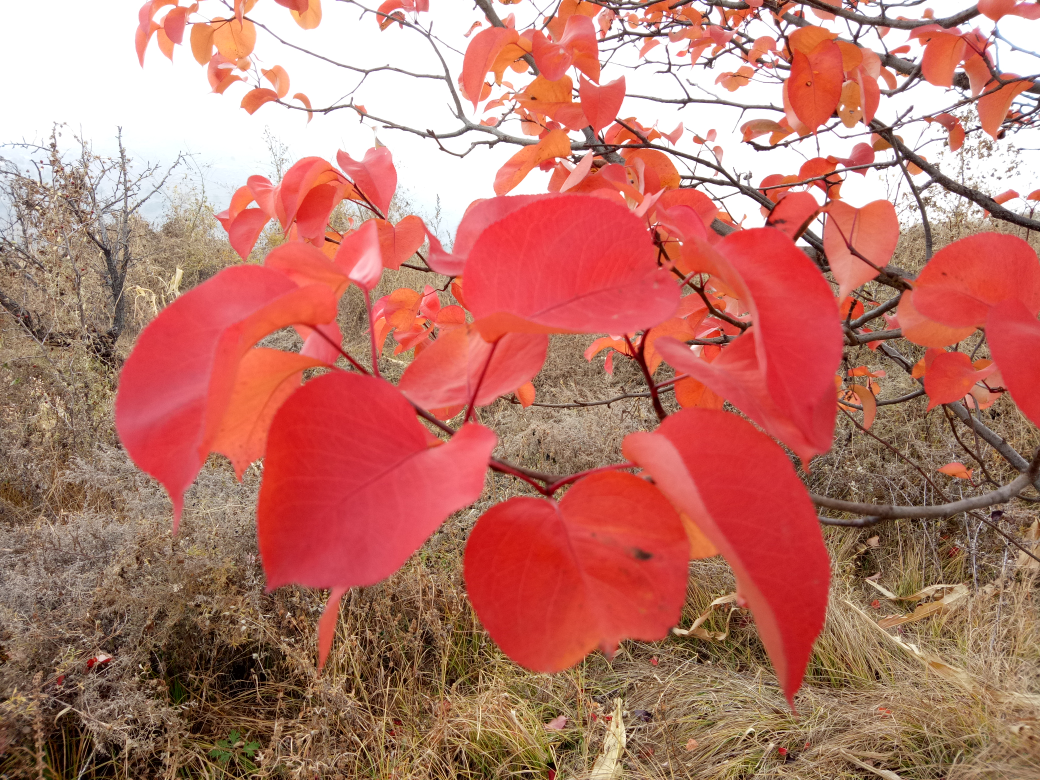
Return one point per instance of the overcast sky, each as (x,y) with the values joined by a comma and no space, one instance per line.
(73,61)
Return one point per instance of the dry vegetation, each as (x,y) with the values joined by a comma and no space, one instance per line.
(211,677)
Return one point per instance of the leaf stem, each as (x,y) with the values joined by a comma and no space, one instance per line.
(372,334)
(582,474)
(640,358)
(480,381)
(343,352)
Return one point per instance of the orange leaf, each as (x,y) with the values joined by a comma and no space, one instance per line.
(805,39)
(525,394)
(266,377)
(234,39)
(307,104)
(555,144)
(310,18)
(255,98)
(658,170)
(690,392)
(868,402)
(759,127)
(956,470)
(942,54)
(399,242)
(279,80)
(994,104)
(202,42)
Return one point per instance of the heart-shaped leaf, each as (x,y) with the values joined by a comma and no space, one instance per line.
(553,581)
(354,484)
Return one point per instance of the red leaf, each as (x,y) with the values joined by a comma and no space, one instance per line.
(691,393)
(741,491)
(1013,334)
(773,373)
(927,333)
(814,86)
(305,264)
(695,199)
(793,214)
(481,54)
(307,193)
(279,79)
(265,378)
(352,486)
(579,39)
(567,263)
(456,364)
(360,255)
(601,104)
(995,9)
(873,231)
(555,144)
(244,230)
(375,176)
(552,581)
(179,379)
(963,280)
(478,217)
(173,24)
(950,376)
(399,242)
(550,57)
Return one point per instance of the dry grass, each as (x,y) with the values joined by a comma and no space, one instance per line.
(415,689)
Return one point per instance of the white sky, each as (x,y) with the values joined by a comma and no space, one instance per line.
(73,61)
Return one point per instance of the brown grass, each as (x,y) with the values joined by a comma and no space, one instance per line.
(414,688)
